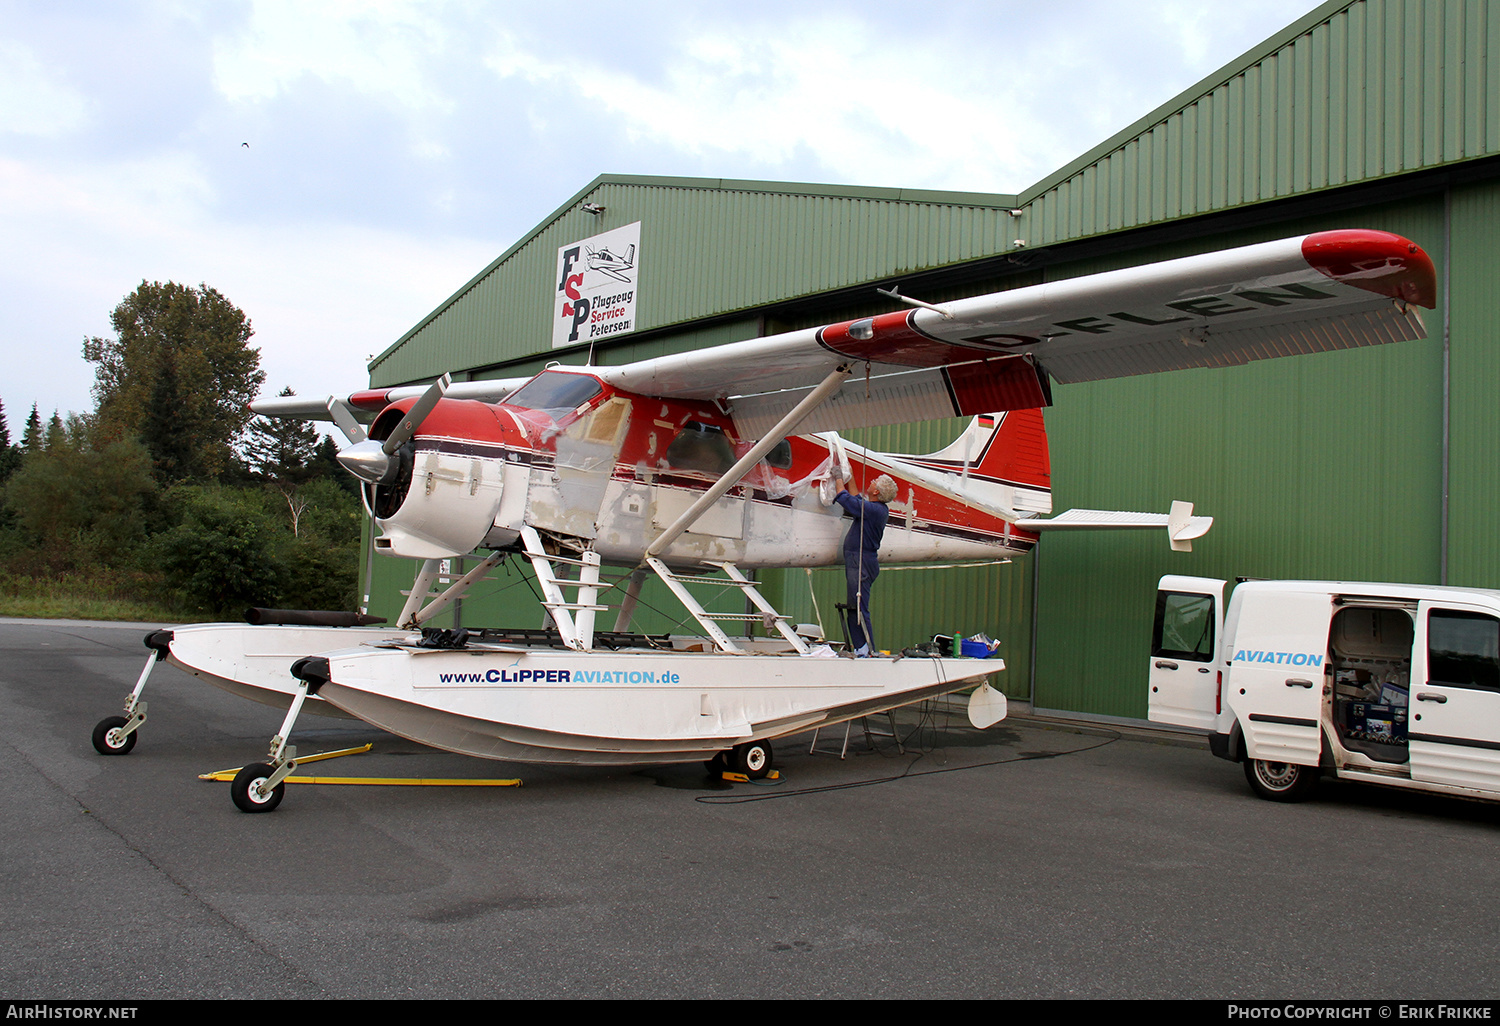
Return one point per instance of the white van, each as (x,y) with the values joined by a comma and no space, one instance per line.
(1391,684)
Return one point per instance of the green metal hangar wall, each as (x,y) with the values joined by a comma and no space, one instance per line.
(1368,464)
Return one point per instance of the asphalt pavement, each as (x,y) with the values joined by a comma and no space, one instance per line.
(1030,860)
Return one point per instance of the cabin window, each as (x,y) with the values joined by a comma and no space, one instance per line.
(1184,626)
(780,455)
(1463,649)
(701,447)
(555,392)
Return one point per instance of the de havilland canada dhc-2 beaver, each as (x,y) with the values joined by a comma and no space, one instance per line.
(699,466)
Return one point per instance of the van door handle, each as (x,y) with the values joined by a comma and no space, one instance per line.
(1429,696)
(1298,682)
(1162,664)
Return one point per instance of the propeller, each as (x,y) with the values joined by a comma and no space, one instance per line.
(414,416)
(343,417)
(370,461)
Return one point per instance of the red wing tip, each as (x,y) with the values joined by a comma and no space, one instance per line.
(1375,261)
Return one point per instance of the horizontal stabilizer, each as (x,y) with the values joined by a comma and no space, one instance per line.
(1182,527)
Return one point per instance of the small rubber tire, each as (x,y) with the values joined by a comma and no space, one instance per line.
(1281,781)
(247,800)
(107,739)
(753,758)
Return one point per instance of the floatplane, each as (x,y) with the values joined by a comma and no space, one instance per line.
(701,466)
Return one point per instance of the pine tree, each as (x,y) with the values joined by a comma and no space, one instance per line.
(325,465)
(10,455)
(282,448)
(31,438)
(57,435)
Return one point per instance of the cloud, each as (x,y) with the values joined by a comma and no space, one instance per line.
(397,146)
(982,98)
(378,49)
(32,100)
(875,107)
(322,297)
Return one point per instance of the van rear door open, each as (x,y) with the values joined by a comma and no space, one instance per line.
(1184,645)
(1276,675)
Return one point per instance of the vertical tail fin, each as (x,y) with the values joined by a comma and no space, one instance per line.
(1001,457)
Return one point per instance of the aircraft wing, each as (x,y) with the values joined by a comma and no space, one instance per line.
(1315,293)
(372,400)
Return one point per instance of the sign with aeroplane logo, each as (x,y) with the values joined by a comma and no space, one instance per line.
(596,287)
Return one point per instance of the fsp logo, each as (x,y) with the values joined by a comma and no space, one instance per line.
(596,287)
(576,305)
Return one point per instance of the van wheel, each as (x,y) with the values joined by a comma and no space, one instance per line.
(1281,781)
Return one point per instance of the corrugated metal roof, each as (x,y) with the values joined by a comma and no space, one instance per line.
(708,247)
(1355,90)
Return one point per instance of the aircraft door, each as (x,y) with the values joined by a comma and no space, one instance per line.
(568,497)
(1454,723)
(698,455)
(1185,637)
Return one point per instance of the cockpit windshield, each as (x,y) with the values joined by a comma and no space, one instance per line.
(556,393)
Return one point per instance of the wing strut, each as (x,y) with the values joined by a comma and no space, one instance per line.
(732,476)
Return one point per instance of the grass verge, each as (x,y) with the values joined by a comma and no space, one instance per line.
(79,597)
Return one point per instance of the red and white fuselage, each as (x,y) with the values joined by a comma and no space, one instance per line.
(615,469)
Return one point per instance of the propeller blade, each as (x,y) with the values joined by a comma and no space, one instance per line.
(344,418)
(416,415)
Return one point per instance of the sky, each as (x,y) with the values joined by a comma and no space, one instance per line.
(338,169)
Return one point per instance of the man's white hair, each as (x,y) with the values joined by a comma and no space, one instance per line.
(884,489)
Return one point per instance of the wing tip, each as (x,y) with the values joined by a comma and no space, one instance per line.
(1375,261)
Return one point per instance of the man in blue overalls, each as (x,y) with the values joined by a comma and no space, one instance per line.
(862,554)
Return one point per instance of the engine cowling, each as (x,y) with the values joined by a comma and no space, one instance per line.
(438,495)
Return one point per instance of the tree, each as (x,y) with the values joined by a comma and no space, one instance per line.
(219,556)
(57,435)
(325,466)
(31,438)
(281,448)
(322,562)
(10,455)
(179,375)
(75,502)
